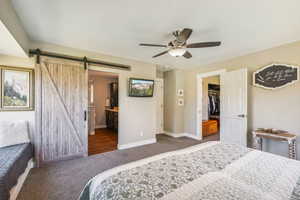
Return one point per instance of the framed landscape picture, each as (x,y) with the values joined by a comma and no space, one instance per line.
(17,89)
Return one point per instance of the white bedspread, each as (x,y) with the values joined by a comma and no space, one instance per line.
(210,171)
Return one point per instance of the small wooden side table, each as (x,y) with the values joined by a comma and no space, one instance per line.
(258,136)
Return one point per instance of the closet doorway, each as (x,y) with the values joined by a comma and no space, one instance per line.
(211,108)
(103,112)
(208,115)
(222,109)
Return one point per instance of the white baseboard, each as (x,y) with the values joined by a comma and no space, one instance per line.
(101,126)
(136,144)
(176,135)
(192,136)
(17,188)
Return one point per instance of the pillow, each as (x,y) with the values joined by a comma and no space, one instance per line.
(13,132)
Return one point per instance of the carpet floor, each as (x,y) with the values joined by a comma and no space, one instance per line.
(65,180)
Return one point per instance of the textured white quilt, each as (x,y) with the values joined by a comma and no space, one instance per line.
(209,171)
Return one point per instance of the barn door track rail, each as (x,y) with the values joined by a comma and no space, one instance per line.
(84,59)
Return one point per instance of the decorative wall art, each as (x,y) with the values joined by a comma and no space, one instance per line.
(276,76)
(16,89)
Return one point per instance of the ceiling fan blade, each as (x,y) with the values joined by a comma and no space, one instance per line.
(160,54)
(203,44)
(185,34)
(153,45)
(187,55)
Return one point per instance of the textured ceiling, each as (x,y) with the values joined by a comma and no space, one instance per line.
(116,27)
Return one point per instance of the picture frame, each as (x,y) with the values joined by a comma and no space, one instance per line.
(138,87)
(17,89)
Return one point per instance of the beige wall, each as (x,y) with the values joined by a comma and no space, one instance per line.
(159,74)
(169,101)
(205,82)
(277,109)
(23,115)
(173,113)
(12,22)
(101,92)
(137,116)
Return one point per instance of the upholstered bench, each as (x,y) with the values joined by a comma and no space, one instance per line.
(13,162)
(16,153)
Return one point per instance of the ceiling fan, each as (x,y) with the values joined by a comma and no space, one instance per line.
(179,46)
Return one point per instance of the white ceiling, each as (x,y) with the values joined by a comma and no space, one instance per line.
(116,27)
(8,44)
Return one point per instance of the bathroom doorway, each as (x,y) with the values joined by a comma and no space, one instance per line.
(103,114)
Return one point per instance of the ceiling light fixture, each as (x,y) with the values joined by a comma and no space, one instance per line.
(177,52)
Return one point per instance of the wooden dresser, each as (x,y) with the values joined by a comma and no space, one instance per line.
(209,127)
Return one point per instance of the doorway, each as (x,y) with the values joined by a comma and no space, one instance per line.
(205,110)
(159,87)
(103,112)
(211,108)
(232,116)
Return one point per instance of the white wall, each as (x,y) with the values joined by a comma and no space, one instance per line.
(273,109)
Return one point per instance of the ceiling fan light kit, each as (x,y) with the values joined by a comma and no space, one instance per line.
(177,52)
(177,47)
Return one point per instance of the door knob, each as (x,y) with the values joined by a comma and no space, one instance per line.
(242,116)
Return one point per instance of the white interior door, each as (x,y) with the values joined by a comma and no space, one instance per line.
(159,85)
(234,107)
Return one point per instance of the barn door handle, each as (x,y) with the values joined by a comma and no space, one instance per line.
(85,115)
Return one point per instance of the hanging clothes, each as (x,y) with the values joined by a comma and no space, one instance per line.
(213,99)
(214,104)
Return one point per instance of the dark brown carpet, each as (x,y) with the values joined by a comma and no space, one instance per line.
(65,180)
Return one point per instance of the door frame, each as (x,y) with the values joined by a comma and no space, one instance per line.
(115,71)
(163,108)
(199,98)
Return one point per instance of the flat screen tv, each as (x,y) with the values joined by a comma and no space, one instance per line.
(140,87)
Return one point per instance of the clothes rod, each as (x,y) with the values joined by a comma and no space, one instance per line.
(85,60)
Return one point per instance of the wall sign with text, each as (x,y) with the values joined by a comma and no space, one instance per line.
(276,76)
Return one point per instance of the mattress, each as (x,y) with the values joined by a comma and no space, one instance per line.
(13,162)
(211,171)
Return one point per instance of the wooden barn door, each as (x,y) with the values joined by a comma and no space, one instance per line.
(61,105)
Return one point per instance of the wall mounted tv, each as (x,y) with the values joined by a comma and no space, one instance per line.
(140,87)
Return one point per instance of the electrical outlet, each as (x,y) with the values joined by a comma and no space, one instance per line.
(142,133)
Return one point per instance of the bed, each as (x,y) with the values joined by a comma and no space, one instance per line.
(210,171)
(13,162)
